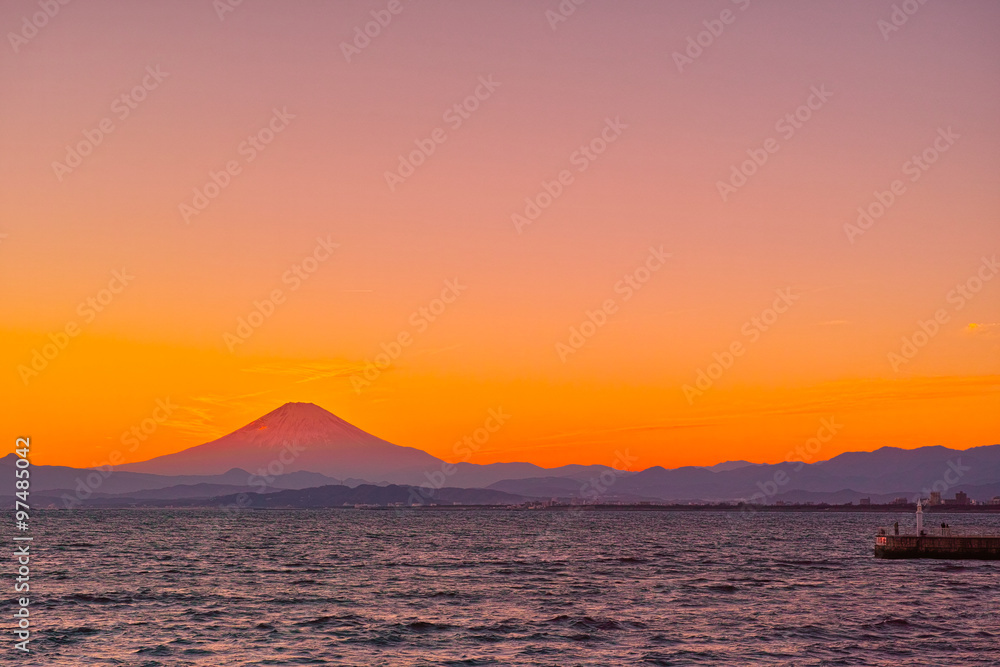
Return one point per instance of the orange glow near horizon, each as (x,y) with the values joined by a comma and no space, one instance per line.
(637,312)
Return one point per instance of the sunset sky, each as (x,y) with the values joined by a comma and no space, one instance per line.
(250,154)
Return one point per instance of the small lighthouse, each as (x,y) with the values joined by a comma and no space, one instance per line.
(946,544)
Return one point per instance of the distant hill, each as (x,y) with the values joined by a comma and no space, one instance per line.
(368,494)
(885,471)
(540,487)
(473,475)
(322,496)
(185,491)
(729,465)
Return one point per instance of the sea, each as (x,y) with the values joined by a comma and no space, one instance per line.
(438,586)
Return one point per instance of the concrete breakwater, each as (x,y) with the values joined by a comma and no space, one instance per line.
(938,546)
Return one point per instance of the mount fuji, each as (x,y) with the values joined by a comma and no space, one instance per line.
(298,436)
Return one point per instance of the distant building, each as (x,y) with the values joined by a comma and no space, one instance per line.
(865,501)
(960,499)
(935,498)
(900,501)
(995,501)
